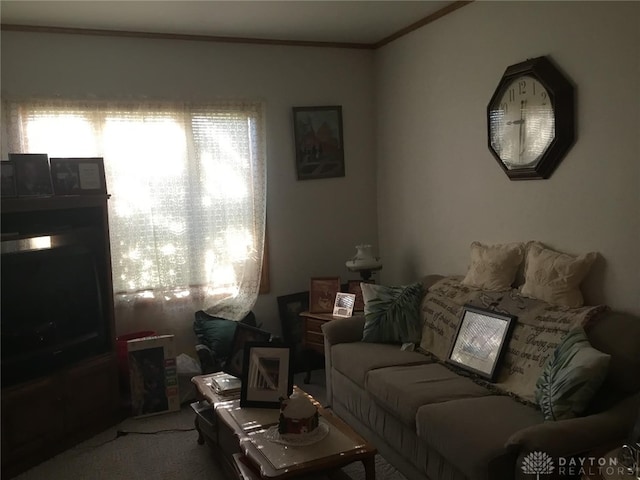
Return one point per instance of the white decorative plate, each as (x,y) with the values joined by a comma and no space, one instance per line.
(297,440)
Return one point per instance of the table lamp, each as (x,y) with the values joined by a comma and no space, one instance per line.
(364,262)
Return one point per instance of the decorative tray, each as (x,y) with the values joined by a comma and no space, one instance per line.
(297,440)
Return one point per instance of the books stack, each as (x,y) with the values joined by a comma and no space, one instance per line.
(226,385)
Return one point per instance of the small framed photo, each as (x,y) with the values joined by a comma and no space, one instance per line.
(344,304)
(480,340)
(243,334)
(78,176)
(267,375)
(32,174)
(318,141)
(353,286)
(322,294)
(8,176)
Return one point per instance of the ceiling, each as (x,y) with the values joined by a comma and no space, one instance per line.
(357,22)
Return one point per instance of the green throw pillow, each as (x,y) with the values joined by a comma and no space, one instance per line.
(392,314)
(571,377)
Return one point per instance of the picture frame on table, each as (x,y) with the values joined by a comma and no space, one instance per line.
(33,178)
(318,142)
(78,176)
(8,179)
(480,340)
(267,375)
(343,307)
(243,334)
(353,286)
(322,294)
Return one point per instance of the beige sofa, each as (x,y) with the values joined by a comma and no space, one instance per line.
(433,422)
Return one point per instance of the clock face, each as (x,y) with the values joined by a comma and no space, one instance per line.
(521,123)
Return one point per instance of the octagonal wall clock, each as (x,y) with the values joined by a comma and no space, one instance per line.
(531,119)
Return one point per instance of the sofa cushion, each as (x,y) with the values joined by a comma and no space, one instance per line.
(354,360)
(402,389)
(471,433)
(392,314)
(555,277)
(571,377)
(494,267)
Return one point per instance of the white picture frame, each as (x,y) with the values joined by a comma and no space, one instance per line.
(343,306)
(267,375)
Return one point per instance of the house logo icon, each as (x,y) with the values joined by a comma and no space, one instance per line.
(537,463)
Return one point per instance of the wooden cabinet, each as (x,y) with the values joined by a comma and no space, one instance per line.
(45,412)
(46,416)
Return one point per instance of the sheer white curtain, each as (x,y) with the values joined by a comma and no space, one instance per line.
(187,185)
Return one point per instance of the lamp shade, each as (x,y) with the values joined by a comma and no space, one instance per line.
(364,260)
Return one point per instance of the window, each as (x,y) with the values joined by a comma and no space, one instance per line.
(187,183)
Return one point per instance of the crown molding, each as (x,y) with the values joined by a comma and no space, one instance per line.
(246,40)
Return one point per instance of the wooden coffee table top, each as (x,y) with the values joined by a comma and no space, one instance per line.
(341,446)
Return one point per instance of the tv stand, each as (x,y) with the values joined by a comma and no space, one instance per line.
(46,414)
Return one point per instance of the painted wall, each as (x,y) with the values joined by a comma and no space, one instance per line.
(439,188)
(314,224)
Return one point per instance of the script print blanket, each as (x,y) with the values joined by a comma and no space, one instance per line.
(538,330)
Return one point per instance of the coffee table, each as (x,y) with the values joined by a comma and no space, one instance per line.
(243,432)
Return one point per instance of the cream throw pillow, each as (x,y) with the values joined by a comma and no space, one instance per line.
(493,267)
(555,277)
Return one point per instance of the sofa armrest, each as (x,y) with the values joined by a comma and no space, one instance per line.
(429,280)
(345,330)
(573,436)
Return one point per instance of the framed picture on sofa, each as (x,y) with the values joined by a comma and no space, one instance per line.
(480,341)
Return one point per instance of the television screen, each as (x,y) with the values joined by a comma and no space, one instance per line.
(51,312)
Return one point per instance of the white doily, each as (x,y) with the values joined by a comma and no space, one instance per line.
(297,440)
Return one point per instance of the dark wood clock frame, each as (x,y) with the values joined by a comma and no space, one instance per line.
(561,93)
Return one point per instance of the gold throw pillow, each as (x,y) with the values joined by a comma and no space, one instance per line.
(493,267)
(555,277)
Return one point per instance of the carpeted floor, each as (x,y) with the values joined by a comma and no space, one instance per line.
(167,450)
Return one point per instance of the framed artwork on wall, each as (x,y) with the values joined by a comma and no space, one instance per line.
(318,142)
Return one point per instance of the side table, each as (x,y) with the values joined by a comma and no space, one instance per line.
(312,336)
